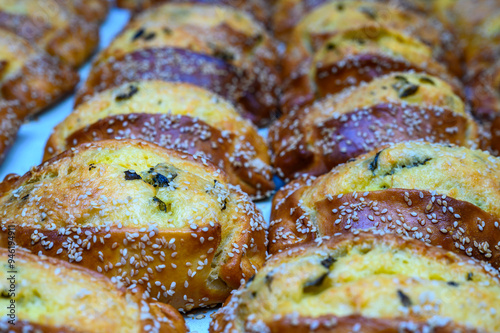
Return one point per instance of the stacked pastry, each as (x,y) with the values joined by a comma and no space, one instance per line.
(403,234)
(140,214)
(40,43)
(260,9)
(55,296)
(143,183)
(188,77)
(361,74)
(390,223)
(477,25)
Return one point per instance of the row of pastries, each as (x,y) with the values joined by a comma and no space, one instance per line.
(41,45)
(383,124)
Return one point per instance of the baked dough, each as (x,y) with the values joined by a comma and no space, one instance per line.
(443,195)
(52,26)
(30,76)
(218,48)
(147,215)
(352,57)
(334,17)
(260,9)
(55,296)
(392,108)
(366,283)
(179,116)
(10,121)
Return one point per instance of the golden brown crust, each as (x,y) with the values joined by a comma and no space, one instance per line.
(30,76)
(221,32)
(163,220)
(189,135)
(398,190)
(393,108)
(369,19)
(184,66)
(365,283)
(354,56)
(258,8)
(10,121)
(494,144)
(482,91)
(40,309)
(177,116)
(90,10)
(52,26)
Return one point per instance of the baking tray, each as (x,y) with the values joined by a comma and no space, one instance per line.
(30,143)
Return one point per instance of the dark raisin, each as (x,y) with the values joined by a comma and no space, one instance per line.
(224,55)
(224,205)
(330,46)
(259,38)
(427,80)
(131,175)
(161,205)
(405,300)
(91,166)
(369,12)
(315,283)
(167,31)
(160,180)
(139,33)
(254,294)
(251,279)
(469,276)
(402,78)
(132,90)
(374,164)
(452,283)
(150,36)
(25,197)
(408,90)
(269,279)
(340,7)
(328,262)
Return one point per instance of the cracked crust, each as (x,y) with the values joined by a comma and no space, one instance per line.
(134,211)
(366,282)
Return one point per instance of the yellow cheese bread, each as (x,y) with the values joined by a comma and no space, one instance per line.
(366,283)
(52,295)
(140,213)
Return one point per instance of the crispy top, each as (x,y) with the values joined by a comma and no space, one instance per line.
(15,52)
(159,97)
(370,276)
(405,88)
(54,294)
(131,183)
(224,32)
(384,41)
(464,174)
